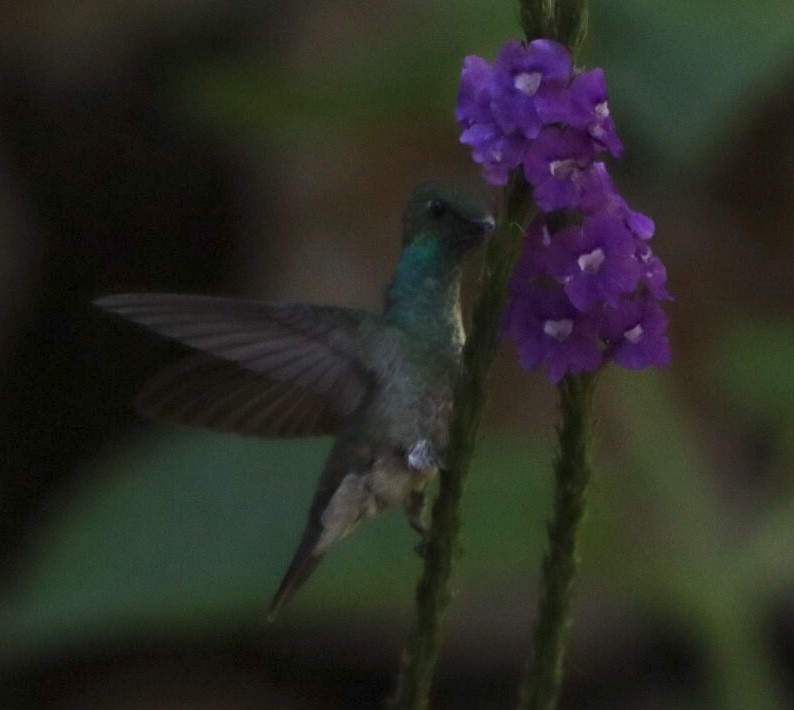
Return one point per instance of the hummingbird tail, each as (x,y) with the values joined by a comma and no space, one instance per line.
(300,569)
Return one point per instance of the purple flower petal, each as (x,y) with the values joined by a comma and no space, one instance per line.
(532,263)
(599,193)
(546,57)
(600,196)
(520,74)
(654,273)
(596,262)
(551,58)
(640,224)
(636,331)
(547,330)
(554,164)
(588,109)
(496,152)
(474,96)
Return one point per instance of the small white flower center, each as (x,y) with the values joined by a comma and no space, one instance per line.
(634,335)
(597,132)
(563,169)
(601,110)
(591,263)
(558,329)
(528,83)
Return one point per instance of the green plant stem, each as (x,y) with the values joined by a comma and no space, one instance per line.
(418,659)
(541,684)
(561,20)
(565,21)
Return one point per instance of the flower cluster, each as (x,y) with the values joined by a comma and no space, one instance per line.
(587,287)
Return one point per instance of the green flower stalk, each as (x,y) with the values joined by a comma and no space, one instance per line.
(541,684)
(418,660)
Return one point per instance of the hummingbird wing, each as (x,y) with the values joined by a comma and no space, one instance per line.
(205,391)
(267,369)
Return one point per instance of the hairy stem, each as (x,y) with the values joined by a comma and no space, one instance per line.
(541,684)
(565,21)
(432,593)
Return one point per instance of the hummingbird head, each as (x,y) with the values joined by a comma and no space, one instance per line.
(441,225)
(441,212)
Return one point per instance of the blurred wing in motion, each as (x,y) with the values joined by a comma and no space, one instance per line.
(267,369)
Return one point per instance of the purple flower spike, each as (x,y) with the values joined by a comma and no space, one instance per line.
(595,262)
(636,334)
(589,292)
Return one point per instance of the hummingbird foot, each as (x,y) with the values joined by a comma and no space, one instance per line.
(416,512)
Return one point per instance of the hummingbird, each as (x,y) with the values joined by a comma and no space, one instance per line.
(382,384)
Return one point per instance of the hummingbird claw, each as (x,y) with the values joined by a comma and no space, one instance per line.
(442,459)
(424,532)
(415,510)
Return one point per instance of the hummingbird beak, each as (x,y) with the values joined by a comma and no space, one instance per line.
(480,229)
(487,225)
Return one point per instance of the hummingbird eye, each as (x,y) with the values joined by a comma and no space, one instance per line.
(437,208)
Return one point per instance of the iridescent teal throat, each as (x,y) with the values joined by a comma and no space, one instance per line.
(424,296)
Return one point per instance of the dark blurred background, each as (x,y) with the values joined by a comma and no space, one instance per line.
(264,149)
